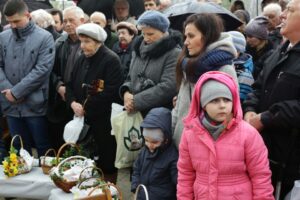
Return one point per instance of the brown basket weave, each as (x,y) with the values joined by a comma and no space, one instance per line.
(59,182)
(106,193)
(47,168)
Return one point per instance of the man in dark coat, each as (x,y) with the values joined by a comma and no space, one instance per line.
(156,165)
(67,51)
(273,108)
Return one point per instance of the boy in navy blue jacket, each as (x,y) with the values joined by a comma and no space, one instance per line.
(156,165)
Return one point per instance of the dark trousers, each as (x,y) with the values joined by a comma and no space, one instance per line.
(33,131)
(3,152)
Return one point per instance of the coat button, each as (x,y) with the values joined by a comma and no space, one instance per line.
(266,91)
(14,74)
(15,57)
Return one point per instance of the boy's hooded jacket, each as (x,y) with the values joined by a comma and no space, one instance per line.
(235,166)
(158,170)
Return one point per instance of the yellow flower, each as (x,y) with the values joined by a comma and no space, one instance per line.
(5,163)
(11,165)
(15,170)
(13,157)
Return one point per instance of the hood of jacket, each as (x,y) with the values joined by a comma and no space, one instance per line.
(223,43)
(158,48)
(195,109)
(159,118)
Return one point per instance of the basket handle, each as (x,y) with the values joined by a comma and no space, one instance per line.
(62,147)
(13,139)
(108,193)
(46,154)
(137,190)
(93,169)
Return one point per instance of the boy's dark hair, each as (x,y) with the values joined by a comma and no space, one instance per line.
(211,26)
(54,11)
(157,2)
(13,7)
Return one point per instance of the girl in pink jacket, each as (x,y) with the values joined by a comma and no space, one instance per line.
(221,157)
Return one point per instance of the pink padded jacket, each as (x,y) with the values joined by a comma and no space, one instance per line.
(234,167)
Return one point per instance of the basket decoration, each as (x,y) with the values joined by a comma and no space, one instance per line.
(95,187)
(48,162)
(15,163)
(66,174)
(137,192)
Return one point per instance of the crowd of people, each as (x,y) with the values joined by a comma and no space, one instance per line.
(221,108)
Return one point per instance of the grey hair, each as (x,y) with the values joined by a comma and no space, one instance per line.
(273,7)
(42,18)
(78,11)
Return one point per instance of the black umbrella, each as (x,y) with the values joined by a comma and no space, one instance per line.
(178,13)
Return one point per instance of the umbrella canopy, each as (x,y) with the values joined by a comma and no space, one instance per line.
(178,13)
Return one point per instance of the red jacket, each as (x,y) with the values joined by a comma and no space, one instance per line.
(235,166)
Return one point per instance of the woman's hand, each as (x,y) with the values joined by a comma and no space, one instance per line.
(77,108)
(128,102)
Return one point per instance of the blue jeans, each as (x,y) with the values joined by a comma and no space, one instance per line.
(3,151)
(33,131)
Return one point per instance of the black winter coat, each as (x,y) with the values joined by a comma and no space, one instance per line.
(259,57)
(276,95)
(125,56)
(104,65)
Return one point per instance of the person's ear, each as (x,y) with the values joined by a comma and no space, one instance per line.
(82,20)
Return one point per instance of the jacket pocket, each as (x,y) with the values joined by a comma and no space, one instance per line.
(37,100)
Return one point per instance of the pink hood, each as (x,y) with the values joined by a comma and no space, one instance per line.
(195,107)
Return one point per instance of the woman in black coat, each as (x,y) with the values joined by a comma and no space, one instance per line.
(98,64)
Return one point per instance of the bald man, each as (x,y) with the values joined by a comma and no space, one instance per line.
(100,19)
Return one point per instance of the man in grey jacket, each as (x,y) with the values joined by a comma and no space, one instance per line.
(26,60)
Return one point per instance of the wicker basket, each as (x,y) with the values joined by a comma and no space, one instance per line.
(47,168)
(57,178)
(23,167)
(106,195)
(138,189)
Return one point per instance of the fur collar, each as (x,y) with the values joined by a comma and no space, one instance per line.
(161,47)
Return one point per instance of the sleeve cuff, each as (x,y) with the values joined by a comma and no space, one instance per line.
(60,83)
(122,91)
(266,118)
(13,96)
